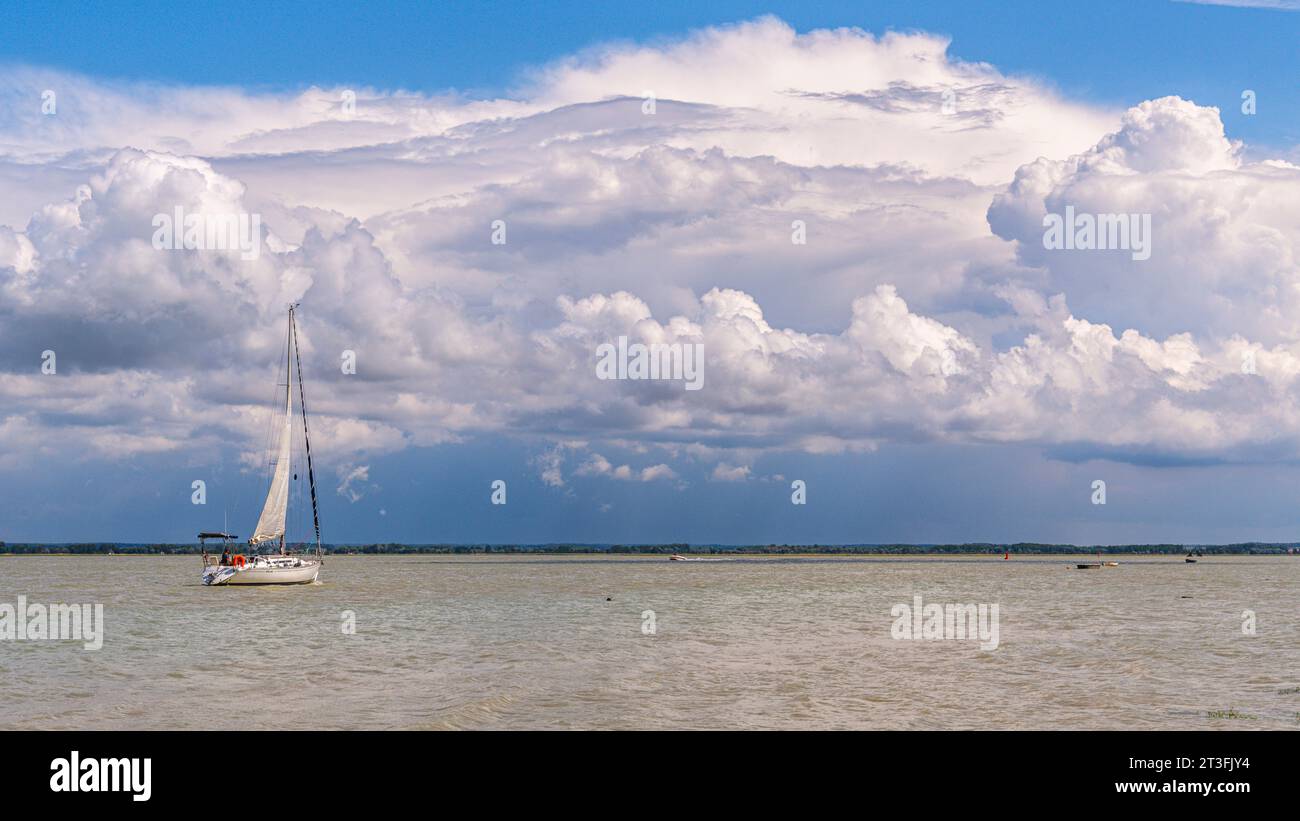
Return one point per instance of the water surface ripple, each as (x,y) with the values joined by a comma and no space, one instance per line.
(532,642)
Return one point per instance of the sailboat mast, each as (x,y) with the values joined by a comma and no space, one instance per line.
(306,435)
(288,405)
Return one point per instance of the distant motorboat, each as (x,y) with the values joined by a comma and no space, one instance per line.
(1088,565)
(1110,564)
(1190,560)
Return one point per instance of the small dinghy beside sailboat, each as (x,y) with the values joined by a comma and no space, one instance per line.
(282,567)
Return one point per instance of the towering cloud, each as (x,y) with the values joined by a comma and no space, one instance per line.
(851,226)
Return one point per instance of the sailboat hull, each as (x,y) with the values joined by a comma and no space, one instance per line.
(306,573)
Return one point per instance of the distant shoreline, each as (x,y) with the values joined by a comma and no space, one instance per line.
(392,549)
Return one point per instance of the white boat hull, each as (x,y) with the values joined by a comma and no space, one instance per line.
(305,573)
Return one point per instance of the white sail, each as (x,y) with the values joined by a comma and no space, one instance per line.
(271,523)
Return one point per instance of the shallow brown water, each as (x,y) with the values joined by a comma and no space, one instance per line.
(531,642)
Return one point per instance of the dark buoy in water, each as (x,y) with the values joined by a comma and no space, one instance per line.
(607,598)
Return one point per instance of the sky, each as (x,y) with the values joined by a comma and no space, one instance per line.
(843,206)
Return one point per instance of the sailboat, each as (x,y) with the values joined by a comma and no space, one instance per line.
(282,567)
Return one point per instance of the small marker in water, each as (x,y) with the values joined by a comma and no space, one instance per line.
(1006,556)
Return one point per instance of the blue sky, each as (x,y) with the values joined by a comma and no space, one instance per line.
(920,494)
(922,364)
(1112,51)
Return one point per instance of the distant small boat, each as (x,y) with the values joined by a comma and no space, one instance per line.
(676,558)
(1088,565)
(1110,564)
(1190,560)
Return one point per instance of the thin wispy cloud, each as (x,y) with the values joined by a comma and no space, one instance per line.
(1276,5)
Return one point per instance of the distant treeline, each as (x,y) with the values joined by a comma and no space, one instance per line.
(1247,548)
